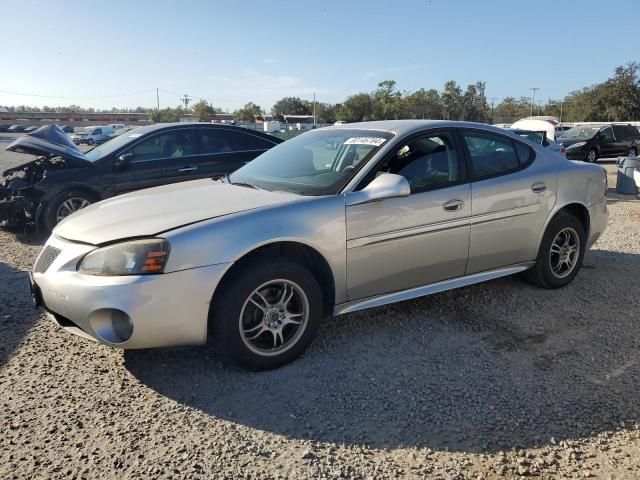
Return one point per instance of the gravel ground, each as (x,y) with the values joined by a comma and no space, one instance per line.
(499,380)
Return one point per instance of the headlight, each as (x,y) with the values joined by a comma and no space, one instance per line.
(576,145)
(137,257)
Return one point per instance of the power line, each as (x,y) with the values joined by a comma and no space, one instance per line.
(78,97)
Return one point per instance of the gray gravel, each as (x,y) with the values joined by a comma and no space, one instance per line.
(499,380)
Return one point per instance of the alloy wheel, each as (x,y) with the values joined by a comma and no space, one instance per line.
(274,317)
(71,205)
(591,156)
(565,250)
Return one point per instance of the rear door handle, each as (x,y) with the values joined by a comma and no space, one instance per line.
(453,205)
(188,169)
(539,187)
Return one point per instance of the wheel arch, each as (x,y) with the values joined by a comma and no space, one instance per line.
(292,250)
(576,209)
(46,200)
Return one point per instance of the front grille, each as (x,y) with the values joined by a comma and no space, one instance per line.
(46,258)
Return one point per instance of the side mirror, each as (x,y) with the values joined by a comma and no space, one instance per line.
(387,185)
(125,158)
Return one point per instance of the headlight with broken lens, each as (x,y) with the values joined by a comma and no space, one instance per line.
(136,257)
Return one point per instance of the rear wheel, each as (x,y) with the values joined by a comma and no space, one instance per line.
(266,314)
(633,152)
(63,205)
(561,253)
(592,156)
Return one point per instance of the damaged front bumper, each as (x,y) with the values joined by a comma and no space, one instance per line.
(16,208)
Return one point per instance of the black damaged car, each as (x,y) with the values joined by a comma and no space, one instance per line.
(63,179)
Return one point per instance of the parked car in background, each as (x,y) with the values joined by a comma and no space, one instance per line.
(92,135)
(540,138)
(63,179)
(16,128)
(120,131)
(67,129)
(590,142)
(336,220)
(30,129)
(546,124)
(4,127)
(116,126)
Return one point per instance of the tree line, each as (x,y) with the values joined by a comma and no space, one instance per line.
(616,99)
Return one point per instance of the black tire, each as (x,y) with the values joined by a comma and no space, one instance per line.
(50,211)
(542,274)
(90,141)
(633,152)
(592,156)
(227,307)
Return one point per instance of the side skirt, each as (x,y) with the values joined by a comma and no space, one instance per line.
(415,292)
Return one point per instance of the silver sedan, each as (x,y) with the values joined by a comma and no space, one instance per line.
(336,220)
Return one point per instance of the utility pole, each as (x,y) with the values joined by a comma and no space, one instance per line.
(533,97)
(539,107)
(314,109)
(186,99)
(493,99)
(158,97)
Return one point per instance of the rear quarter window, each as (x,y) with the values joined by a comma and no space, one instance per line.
(526,154)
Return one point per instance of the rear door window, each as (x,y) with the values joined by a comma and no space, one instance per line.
(490,154)
(219,140)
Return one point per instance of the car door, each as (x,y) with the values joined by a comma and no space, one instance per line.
(224,150)
(160,158)
(400,243)
(512,195)
(621,141)
(606,142)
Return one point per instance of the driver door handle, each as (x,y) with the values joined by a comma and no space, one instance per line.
(539,187)
(187,169)
(453,205)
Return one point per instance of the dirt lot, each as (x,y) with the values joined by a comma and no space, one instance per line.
(499,380)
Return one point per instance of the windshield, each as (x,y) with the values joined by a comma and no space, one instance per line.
(580,132)
(112,145)
(320,162)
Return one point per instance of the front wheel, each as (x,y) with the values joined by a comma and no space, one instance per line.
(266,314)
(592,156)
(633,152)
(561,253)
(90,141)
(63,205)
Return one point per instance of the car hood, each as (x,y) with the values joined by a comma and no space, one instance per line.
(50,140)
(156,210)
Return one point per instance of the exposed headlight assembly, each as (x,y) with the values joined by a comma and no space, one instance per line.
(135,257)
(576,145)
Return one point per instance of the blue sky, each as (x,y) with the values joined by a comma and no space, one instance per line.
(232,52)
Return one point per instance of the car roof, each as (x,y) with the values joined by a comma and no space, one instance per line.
(404,127)
(159,126)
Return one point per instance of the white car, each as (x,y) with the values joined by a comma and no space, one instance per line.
(93,135)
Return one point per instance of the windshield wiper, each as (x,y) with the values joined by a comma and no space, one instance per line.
(247,184)
(225,179)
